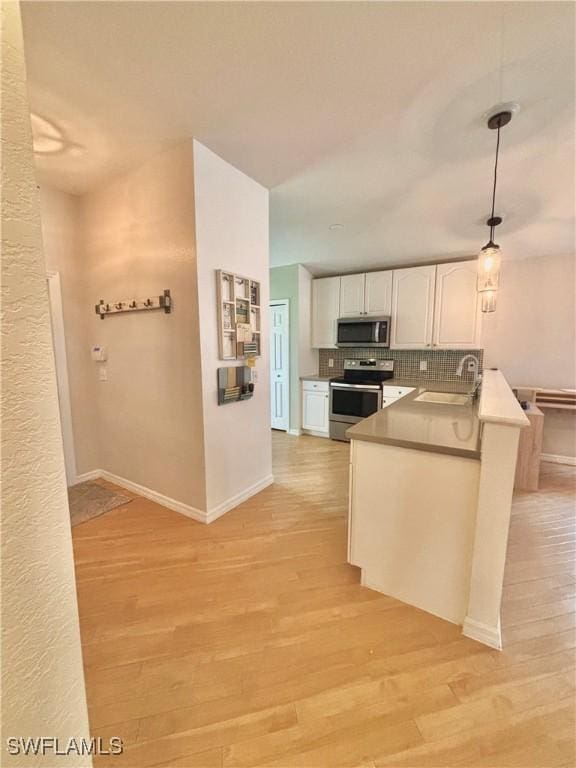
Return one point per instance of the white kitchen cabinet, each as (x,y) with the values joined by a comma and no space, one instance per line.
(315,407)
(457,315)
(325,311)
(413,307)
(378,293)
(352,295)
(366,294)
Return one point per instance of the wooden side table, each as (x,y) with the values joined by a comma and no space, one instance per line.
(529,451)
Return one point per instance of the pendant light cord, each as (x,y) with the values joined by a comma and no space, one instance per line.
(495,180)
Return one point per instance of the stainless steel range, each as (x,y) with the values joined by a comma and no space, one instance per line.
(357,394)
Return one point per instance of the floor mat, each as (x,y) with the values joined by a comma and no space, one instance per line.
(88,500)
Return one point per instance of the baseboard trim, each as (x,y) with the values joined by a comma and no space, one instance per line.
(234,501)
(94,474)
(556,459)
(315,433)
(147,493)
(165,501)
(491,636)
(295,432)
(178,506)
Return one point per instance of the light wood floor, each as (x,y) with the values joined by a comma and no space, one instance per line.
(250,642)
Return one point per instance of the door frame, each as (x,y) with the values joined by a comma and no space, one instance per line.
(61,360)
(285,303)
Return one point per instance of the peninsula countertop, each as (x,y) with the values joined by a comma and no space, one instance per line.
(451,429)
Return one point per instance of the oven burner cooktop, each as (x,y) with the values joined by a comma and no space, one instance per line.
(361,381)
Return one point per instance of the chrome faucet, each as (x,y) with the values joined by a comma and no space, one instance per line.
(476,369)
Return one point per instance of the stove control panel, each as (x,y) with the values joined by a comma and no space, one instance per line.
(369,364)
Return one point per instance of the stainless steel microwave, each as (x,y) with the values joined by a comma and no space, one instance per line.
(363,332)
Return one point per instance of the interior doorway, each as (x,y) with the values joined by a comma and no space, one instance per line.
(59,344)
(280,364)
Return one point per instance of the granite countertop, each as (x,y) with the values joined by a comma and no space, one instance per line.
(449,429)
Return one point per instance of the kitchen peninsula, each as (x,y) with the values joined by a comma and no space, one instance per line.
(430,498)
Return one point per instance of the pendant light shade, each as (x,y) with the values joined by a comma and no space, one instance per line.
(488,301)
(489,258)
(489,261)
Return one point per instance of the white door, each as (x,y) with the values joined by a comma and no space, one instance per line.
(325,311)
(412,307)
(378,293)
(59,344)
(315,410)
(279,365)
(352,295)
(457,311)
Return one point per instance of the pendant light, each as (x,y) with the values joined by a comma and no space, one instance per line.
(489,258)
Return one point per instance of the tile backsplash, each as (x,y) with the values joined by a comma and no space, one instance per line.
(441,363)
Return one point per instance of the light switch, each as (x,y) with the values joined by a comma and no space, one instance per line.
(103,373)
(99,354)
(423,365)
(330,362)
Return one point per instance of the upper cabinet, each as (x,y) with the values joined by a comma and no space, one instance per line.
(378,293)
(366,294)
(325,311)
(457,307)
(434,306)
(412,307)
(352,295)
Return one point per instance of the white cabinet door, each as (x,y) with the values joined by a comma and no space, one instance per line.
(325,311)
(352,295)
(378,293)
(457,311)
(315,410)
(279,366)
(412,307)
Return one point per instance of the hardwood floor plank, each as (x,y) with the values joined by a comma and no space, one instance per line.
(250,642)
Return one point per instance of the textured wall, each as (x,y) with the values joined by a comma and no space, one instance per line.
(42,679)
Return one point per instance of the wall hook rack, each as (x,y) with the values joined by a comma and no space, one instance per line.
(164,302)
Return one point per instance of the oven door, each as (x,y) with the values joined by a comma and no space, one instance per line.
(353,402)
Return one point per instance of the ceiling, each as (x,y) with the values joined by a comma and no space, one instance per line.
(369,115)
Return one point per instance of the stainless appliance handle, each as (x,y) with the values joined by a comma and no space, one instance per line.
(376,333)
(371,387)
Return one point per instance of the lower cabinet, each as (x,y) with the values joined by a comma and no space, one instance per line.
(315,407)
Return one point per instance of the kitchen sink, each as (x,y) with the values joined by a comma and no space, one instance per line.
(443,398)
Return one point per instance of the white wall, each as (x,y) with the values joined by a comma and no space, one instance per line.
(155,421)
(231,234)
(138,239)
(307,357)
(532,336)
(42,677)
(61,234)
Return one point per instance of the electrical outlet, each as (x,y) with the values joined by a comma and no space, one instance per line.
(330,362)
(254,376)
(103,373)
(423,365)
(471,366)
